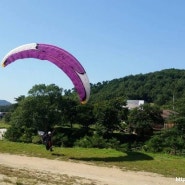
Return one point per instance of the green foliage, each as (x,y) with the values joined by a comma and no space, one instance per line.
(157,87)
(47,107)
(155,144)
(3,124)
(6,108)
(37,139)
(52,91)
(68,111)
(7,117)
(179,104)
(97,141)
(59,139)
(85,116)
(94,141)
(174,140)
(113,143)
(170,141)
(27,135)
(108,115)
(39,111)
(13,133)
(142,119)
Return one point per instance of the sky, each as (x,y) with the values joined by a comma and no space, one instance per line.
(110,38)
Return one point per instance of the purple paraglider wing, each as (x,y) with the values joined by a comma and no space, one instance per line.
(61,58)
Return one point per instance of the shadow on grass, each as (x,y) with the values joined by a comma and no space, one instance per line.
(57,154)
(131,156)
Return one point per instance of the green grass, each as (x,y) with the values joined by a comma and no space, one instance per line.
(164,164)
(3,124)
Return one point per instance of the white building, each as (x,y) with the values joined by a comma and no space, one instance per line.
(2,132)
(131,104)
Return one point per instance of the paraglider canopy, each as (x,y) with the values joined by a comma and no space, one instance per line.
(61,58)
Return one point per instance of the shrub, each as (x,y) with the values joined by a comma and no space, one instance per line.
(113,143)
(36,139)
(25,138)
(95,141)
(59,139)
(84,142)
(125,147)
(155,144)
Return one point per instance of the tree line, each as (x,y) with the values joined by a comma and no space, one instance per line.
(104,122)
(157,87)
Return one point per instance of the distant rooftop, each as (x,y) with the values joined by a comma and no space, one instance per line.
(131,104)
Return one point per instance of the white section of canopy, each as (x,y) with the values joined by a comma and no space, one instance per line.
(18,49)
(86,85)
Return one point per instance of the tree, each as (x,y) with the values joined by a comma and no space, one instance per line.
(85,116)
(52,91)
(171,140)
(41,110)
(20,120)
(142,119)
(68,111)
(107,116)
(157,87)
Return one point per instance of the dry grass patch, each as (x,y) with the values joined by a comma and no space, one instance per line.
(15,176)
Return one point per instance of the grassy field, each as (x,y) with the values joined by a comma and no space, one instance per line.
(3,124)
(164,164)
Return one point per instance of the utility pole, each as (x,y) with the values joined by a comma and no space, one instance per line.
(173,101)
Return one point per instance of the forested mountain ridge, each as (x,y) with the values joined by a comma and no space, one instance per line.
(158,87)
(4,103)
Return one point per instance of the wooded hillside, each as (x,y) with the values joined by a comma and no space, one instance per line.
(103,122)
(158,87)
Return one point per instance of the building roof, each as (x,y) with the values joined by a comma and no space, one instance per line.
(131,104)
(167,113)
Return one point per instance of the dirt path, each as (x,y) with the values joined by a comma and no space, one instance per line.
(89,173)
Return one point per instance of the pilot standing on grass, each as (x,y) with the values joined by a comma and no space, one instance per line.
(48,141)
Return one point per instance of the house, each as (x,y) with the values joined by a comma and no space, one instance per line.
(131,104)
(165,114)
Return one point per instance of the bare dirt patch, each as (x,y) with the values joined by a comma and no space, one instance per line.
(23,170)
